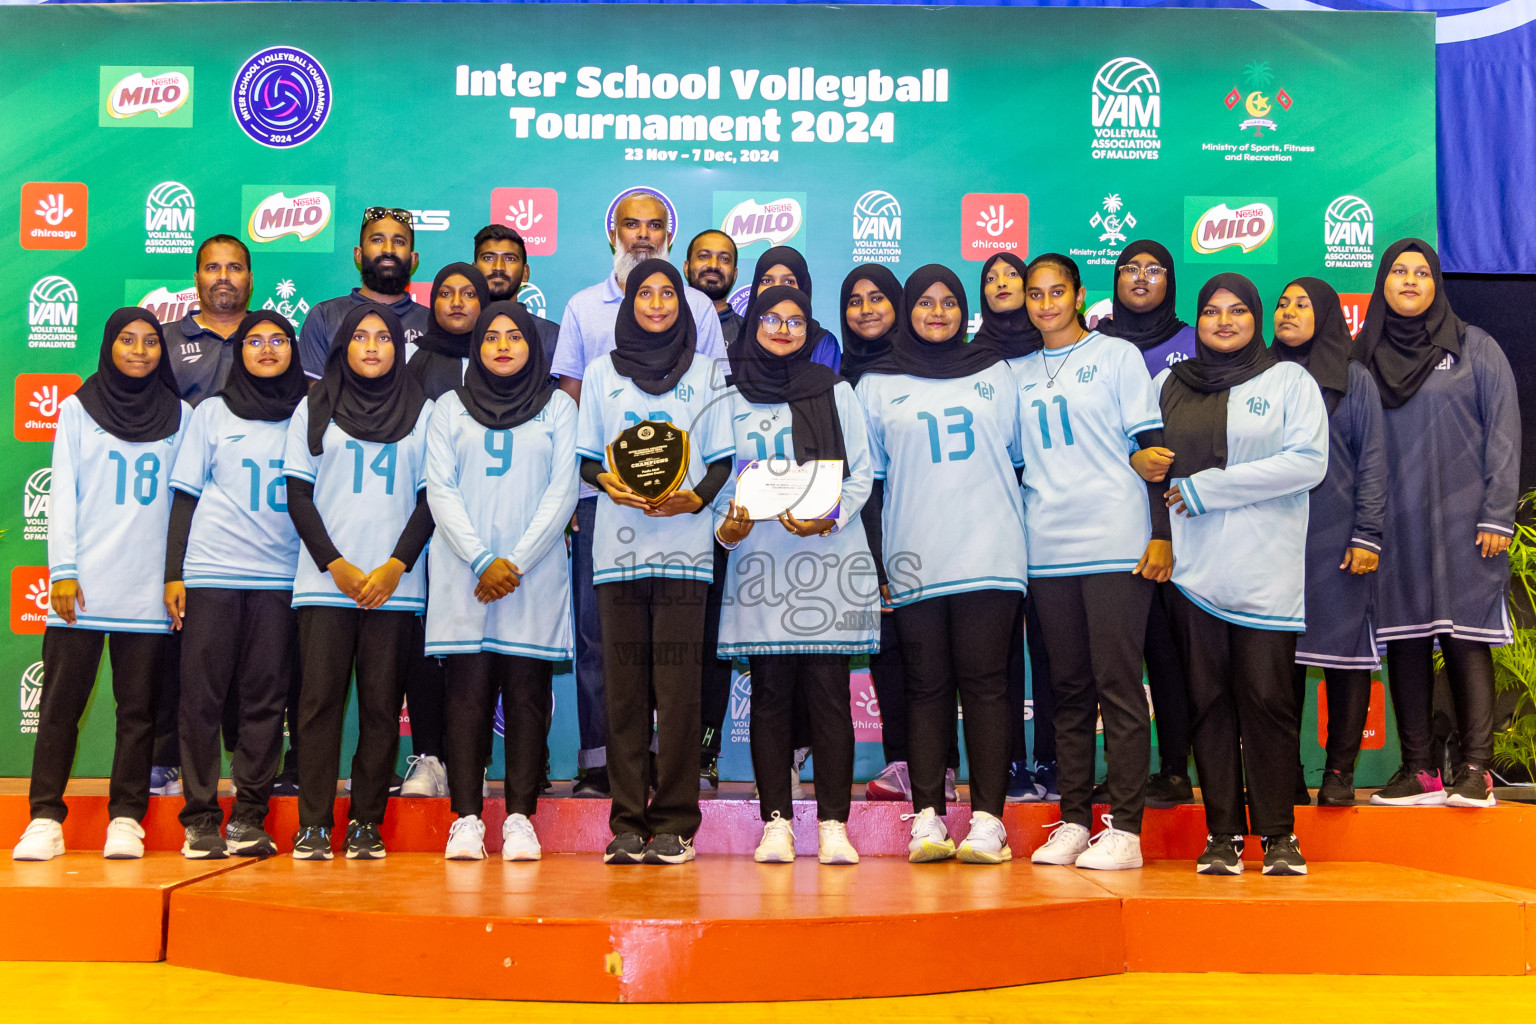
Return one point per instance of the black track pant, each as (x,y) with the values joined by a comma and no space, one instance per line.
(332,641)
(71,658)
(167,752)
(1170,693)
(245,642)
(887,671)
(958,642)
(1349,700)
(472,684)
(424,697)
(1243,720)
(818,683)
(653,642)
(1028,634)
(1094,632)
(1411,674)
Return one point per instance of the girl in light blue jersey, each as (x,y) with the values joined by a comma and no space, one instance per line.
(501,480)
(109,505)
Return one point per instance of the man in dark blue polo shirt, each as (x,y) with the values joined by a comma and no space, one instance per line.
(502,256)
(385,256)
(198,344)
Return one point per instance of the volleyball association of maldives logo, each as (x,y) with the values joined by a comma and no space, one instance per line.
(533,298)
(877,228)
(1127,110)
(31,697)
(1349,234)
(281,97)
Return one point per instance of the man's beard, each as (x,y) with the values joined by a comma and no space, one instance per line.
(390,279)
(715,291)
(224,298)
(499,284)
(626,260)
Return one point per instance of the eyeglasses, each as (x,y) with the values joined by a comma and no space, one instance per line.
(772,322)
(1148,273)
(374,213)
(257,344)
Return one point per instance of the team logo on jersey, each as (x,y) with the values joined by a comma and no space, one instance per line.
(34,504)
(1258,405)
(1259,96)
(994,222)
(234,438)
(29,598)
(1219,226)
(984,389)
(1446,363)
(53,313)
(1085,374)
(54,214)
(684,392)
(877,228)
(899,399)
(31,697)
(170,217)
(282,97)
(1175,357)
(531,297)
(534,213)
(1349,234)
(130,94)
(38,397)
(1127,111)
(287,301)
(168,301)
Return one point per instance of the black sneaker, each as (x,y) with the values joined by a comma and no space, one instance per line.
(625,848)
(312,842)
(1473,787)
(1045,775)
(1338,789)
(286,784)
(1169,789)
(1303,795)
(203,842)
(364,841)
(1412,787)
(1223,856)
(248,839)
(1282,856)
(544,784)
(667,848)
(709,770)
(593,784)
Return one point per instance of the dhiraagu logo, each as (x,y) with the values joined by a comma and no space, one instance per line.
(289,218)
(145,97)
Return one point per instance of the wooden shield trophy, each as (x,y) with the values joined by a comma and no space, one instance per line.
(651,458)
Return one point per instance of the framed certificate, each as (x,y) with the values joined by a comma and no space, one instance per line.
(766,488)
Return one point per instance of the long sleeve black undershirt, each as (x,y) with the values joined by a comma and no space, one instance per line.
(317,540)
(418,530)
(874,529)
(715,476)
(1162,526)
(182,507)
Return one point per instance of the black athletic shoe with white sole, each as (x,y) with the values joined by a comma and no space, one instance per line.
(1472,787)
(364,841)
(313,842)
(667,848)
(248,839)
(625,848)
(1337,790)
(203,842)
(1282,856)
(1169,789)
(1223,856)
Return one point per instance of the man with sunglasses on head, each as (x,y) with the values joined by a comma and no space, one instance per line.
(385,256)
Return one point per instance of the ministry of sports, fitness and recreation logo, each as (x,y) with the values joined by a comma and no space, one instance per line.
(877,228)
(53,313)
(1109,223)
(290,218)
(1127,111)
(1230,231)
(530,296)
(286,300)
(1349,234)
(170,218)
(34,504)
(31,697)
(128,94)
(1259,97)
(281,97)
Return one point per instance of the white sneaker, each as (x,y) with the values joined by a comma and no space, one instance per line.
(424,776)
(466,839)
(1112,849)
(892,783)
(930,840)
(951,791)
(125,840)
(833,844)
(518,840)
(778,843)
(1063,846)
(987,842)
(42,840)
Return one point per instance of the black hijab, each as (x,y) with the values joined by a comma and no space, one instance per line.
(944,360)
(264,398)
(779,255)
(1401,351)
(501,403)
(1326,354)
(1150,329)
(132,409)
(858,353)
(1013,333)
(655,362)
(438,364)
(1194,398)
(381,410)
(767,379)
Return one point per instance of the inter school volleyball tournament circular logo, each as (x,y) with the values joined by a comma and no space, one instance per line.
(282,97)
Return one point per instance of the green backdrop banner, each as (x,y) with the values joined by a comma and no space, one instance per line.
(1276,144)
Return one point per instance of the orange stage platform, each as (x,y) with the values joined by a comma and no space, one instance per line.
(724,928)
